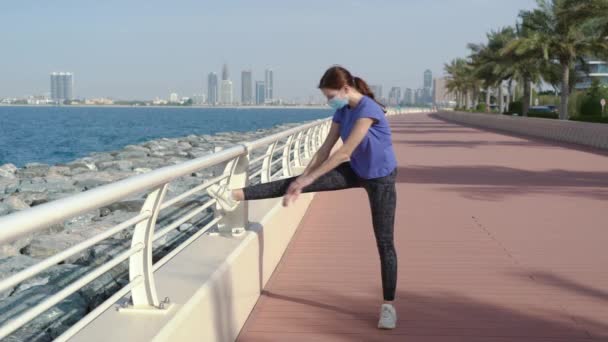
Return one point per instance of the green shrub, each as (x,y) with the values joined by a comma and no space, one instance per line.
(481,107)
(590,103)
(597,119)
(516,107)
(574,103)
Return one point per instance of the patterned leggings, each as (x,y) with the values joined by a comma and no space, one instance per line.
(382,198)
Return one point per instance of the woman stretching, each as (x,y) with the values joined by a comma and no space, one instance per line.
(366,159)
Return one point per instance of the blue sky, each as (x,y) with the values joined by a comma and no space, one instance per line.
(143,49)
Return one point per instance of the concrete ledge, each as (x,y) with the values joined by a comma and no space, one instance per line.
(213,284)
(581,133)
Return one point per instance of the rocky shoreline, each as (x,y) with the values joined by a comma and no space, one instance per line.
(35,183)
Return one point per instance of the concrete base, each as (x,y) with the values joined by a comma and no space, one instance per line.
(212,284)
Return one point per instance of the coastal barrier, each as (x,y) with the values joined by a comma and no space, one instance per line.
(236,247)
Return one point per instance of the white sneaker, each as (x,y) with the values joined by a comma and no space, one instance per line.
(388,317)
(223,196)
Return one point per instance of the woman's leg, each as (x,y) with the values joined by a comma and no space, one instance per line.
(342,177)
(383,200)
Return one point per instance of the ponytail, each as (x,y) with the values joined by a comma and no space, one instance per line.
(364,89)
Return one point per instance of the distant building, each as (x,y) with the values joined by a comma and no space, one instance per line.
(212,89)
(226,87)
(226,93)
(419,96)
(394,96)
(269,84)
(246,87)
(198,99)
(62,86)
(428,79)
(173,98)
(408,97)
(377,90)
(441,96)
(596,70)
(427,96)
(260,93)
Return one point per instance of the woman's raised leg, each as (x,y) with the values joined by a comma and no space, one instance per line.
(342,177)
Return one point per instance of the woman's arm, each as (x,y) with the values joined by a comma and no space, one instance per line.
(323,152)
(343,154)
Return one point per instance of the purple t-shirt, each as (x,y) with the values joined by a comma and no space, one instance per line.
(374,157)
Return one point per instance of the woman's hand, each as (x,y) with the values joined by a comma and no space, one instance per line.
(295,188)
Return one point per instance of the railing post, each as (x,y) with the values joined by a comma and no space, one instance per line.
(143,296)
(266,163)
(297,147)
(234,222)
(287,170)
(317,137)
(307,144)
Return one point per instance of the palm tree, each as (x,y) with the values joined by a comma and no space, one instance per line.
(563,31)
(523,64)
(489,62)
(457,83)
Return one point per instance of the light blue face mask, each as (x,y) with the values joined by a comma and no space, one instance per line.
(337,103)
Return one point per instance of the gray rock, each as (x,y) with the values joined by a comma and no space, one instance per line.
(59,184)
(198,152)
(121,165)
(32,198)
(36,184)
(32,170)
(149,162)
(100,156)
(84,164)
(184,145)
(82,219)
(7,171)
(177,160)
(102,176)
(88,184)
(46,245)
(126,206)
(14,203)
(136,148)
(132,154)
(10,265)
(8,185)
(58,170)
(141,170)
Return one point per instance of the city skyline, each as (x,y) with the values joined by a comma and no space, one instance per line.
(119,53)
(222,92)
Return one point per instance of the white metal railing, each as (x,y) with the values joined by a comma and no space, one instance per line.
(297,145)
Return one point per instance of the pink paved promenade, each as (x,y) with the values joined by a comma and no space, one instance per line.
(499,238)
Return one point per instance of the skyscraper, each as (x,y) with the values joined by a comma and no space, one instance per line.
(260,93)
(428,79)
(394,96)
(427,96)
(419,96)
(212,98)
(226,87)
(269,84)
(408,97)
(62,84)
(246,87)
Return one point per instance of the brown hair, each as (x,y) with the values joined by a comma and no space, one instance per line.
(336,77)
